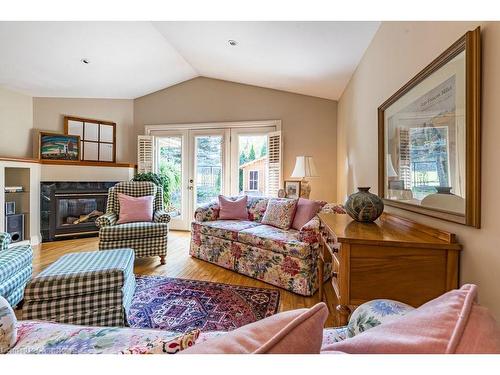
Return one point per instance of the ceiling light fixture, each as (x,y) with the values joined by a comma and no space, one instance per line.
(85,61)
(232,42)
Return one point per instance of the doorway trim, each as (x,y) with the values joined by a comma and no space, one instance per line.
(151,129)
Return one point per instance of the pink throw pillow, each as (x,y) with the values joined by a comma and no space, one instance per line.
(451,323)
(306,210)
(134,209)
(290,332)
(233,209)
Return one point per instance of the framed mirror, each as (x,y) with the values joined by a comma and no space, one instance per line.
(429,138)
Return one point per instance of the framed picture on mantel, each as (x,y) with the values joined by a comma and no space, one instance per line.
(98,138)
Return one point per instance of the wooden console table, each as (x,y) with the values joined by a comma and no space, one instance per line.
(392,258)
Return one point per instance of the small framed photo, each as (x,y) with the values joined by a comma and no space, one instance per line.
(54,146)
(292,189)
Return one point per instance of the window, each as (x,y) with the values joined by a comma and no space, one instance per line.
(253,180)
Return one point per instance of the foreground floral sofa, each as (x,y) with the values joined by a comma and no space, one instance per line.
(453,323)
(285,258)
(39,337)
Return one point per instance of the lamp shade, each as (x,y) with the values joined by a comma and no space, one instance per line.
(390,168)
(304,167)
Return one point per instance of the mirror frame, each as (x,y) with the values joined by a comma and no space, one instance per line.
(471,44)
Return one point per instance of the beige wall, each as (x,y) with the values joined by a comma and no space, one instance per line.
(308,123)
(398,51)
(16,121)
(48,114)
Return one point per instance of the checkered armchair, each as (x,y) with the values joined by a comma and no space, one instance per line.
(146,238)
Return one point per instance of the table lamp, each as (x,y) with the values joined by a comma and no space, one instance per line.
(304,167)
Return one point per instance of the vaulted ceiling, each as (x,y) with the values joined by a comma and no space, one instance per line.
(132,59)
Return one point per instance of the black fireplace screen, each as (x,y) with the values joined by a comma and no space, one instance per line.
(70,209)
(77,211)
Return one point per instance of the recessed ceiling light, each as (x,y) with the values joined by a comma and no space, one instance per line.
(85,61)
(232,42)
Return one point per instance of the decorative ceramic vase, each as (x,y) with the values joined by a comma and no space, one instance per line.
(364,206)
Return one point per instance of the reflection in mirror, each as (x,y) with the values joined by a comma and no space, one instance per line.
(425,142)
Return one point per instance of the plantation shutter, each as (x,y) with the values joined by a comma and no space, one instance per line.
(145,154)
(274,163)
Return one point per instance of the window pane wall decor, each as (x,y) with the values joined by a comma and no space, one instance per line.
(98,138)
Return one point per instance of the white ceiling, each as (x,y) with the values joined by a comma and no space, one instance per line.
(132,59)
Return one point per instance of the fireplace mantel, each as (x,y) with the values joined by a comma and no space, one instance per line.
(42,172)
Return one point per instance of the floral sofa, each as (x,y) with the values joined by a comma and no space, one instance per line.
(451,323)
(285,258)
(38,337)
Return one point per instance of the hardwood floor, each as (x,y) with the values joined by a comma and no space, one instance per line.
(179,264)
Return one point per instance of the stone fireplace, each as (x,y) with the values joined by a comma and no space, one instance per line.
(69,209)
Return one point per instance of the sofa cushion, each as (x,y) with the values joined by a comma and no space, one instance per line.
(280,212)
(233,209)
(227,229)
(275,239)
(451,323)
(306,210)
(290,332)
(13,260)
(133,230)
(257,208)
(38,337)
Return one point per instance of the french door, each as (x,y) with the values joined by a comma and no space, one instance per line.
(194,161)
(203,163)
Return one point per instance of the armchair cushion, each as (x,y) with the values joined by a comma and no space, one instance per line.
(135,209)
(133,230)
(134,189)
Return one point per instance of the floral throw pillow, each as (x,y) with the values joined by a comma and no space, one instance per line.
(8,329)
(280,212)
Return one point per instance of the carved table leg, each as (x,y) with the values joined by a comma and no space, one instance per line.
(344,312)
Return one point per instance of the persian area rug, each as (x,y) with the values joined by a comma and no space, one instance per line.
(182,305)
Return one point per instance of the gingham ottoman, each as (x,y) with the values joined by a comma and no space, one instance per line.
(92,288)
